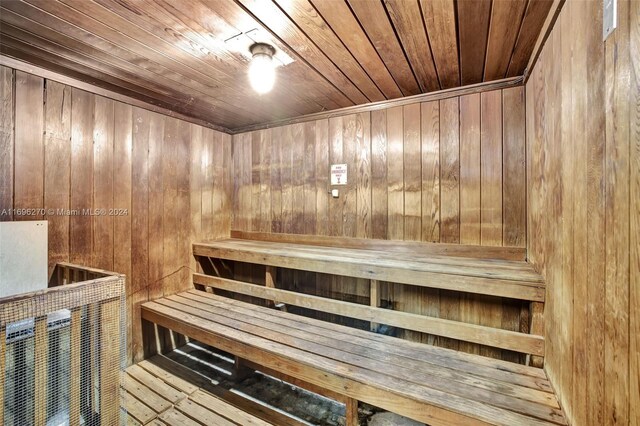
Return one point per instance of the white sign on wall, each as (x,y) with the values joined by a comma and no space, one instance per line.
(338,174)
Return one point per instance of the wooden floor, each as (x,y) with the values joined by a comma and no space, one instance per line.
(161,392)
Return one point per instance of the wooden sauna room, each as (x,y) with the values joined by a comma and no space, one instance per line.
(319,212)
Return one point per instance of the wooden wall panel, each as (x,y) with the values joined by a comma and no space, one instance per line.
(82,106)
(582,153)
(415,172)
(7,114)
(153,184)
(29,146)
(56,168)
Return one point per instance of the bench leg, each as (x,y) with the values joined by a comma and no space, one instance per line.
(374,295)
(240,370)
(537,327)
(270,281)
(352,412)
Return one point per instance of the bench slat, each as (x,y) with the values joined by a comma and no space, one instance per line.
(504,339)
(421,248)
(486,367)
(436,378)
(417,360)
(356,382)
(522,284)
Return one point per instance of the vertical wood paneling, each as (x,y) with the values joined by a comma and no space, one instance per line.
(168,277)
(617,133)
(309,178)
(470,308)
(7,114)
(430,149)
(595,215)
(491,168)
(348,197)
(573,118)
(379,174)
(363,175)
(80,240)
(449,171)
(410,298)
(102,222)
(297,178)
(449,199)
(582,139)
(207,175)
(634,159)
(265,185)
(122,187)
(335,157)
(414,173)
(86,152)
(513,164)
(29,147)
(138,291)
(255,180)
(470,169)
(156,205)
(490,196)
(199,159)
(395,174)
(56,168)
(275,178)
(322,177)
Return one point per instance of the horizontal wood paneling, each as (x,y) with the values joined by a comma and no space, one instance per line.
(178,55)
(583,98)
(414,173)
(166,179)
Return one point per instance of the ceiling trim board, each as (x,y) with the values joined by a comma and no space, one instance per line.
(542,37)
(374,106)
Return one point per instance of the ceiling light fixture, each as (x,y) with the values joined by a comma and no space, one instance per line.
(262,70)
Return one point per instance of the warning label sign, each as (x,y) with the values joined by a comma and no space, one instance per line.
(338,174)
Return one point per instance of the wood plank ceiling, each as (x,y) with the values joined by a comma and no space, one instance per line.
(173,53)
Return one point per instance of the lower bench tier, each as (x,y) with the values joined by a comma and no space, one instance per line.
(429,384)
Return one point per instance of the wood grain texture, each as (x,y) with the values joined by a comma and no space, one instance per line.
(430,153)
(473,28)
(56,171)
(94,153)
(580,216)
(407,20)
(440,22)
(375,22)
(634,211)
(414,173)
(7,114)
(29,147)
(506,20)
(82,106)
(449,171)
(183,57)
(513,160)
(491,170)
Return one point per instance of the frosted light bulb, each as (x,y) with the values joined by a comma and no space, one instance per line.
(262,73)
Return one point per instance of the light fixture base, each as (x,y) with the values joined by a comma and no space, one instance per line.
(262,48)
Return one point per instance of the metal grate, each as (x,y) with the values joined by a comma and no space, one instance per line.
(62,352)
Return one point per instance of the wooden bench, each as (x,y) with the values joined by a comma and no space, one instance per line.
(426,383)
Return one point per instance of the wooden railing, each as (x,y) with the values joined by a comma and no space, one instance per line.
(87,305)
